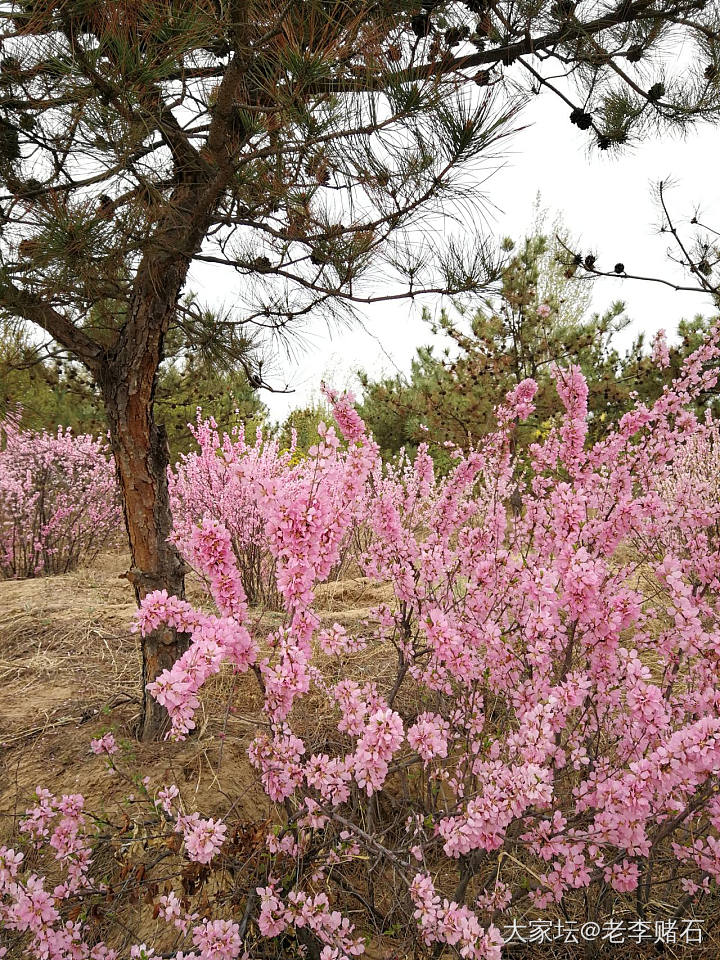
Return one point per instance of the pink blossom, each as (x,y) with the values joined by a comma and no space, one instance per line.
(58,499)
(218,940)
(104,745)
(203,838)
(660,352)
(429,736)
(623,877)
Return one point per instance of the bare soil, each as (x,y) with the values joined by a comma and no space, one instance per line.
(70,667)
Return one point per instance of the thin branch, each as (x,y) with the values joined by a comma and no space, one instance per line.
(624,275)
(29,306)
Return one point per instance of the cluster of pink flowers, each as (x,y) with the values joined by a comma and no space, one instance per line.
(59,503)
(104,745)
(28,907)
(444,921)
(216,639)
(218,939)
(279,760)
(311,911)
(382,735)
(660,352)
(338,641)
(207,484)
(552,711)
(331,777)
(203,838)
(346,416)
(429,736)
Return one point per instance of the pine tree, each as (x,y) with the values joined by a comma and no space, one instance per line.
(540,317)
(297,144)
(52,390)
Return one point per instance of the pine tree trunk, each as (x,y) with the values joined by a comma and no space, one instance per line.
(127,377)
(141,457)
(140,449)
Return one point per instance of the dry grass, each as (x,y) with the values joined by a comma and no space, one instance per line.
(69,665)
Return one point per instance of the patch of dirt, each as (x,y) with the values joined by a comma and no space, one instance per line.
(70,667)
(65,648)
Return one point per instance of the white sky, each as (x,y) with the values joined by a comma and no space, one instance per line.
(606,202)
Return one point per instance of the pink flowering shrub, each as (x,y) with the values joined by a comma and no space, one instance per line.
(548,743)
(58,500)
(220,482)
(694,474)
(215,483)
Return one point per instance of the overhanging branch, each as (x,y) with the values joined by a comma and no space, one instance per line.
(30,307)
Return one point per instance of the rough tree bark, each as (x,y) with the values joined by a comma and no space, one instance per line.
(127,381)
(141,457)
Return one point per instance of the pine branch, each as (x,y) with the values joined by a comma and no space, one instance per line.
(30,307)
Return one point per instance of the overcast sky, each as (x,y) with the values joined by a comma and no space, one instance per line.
(606,202)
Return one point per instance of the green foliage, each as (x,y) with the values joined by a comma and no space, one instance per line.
(58,391)
(540,317)
(50,392)
(304,421)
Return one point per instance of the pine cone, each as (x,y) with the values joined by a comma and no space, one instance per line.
(580,118)
(420,24)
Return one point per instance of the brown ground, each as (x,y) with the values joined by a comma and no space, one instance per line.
(69,668)
(66,654)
